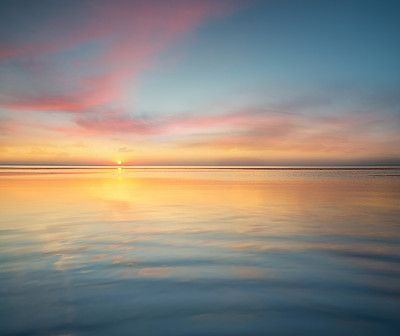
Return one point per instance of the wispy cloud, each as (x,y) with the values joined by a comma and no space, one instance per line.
(117,40)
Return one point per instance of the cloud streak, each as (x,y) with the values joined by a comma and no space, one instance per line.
(116,41)
(244,130)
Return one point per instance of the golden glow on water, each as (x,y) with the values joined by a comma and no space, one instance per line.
(201,227)
(196,202)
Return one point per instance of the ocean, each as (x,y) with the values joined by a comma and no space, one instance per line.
(199,250)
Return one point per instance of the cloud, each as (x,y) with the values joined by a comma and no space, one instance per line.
(119,122)
(248,135)
(254,130)
(87,60)
(246,130)
(125,150)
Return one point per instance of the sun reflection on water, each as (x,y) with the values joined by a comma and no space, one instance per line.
(200,235)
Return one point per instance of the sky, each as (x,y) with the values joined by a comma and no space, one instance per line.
(200,82)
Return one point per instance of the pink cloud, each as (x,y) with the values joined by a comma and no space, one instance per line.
(246,131)
(129,36)
(119,122)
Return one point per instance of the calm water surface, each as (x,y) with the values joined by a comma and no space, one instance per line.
(150,251)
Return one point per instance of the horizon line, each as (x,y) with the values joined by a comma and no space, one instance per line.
(197,166)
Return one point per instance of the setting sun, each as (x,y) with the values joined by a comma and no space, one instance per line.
(119,162)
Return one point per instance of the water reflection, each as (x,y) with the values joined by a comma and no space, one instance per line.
(199,251)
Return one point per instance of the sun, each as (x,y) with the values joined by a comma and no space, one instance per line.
(119,162)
